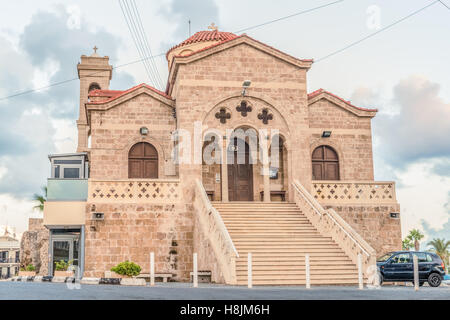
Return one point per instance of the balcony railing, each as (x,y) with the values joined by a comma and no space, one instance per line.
(135,191)
(10,260)
(354,192)
(67,189)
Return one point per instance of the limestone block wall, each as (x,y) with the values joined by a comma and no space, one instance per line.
(351,138)
(116,130)
(374,224)
(206,258)
(132,231)
(34,247)
(201,87)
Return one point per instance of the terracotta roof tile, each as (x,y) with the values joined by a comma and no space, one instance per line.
(320,91)
(204,36)
(122,93)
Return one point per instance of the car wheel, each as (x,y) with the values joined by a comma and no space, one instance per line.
(434,280)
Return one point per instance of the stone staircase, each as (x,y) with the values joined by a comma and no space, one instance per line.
(279,235)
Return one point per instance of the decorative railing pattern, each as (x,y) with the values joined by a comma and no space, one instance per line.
(354,192)
(330,224)
(135,191)
(214,229)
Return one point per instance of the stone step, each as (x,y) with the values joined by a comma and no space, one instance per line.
(281,268)
(278,255)
(256,277)
(275,273)
(298,282)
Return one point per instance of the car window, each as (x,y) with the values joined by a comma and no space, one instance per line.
(401,258)
(429,258)
(385,257)
(422,257)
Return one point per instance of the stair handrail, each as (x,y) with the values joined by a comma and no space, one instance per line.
(217,217)
(337,220)
(215,231)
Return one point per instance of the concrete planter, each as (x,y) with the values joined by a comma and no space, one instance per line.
(27,273)
(64,274)
(113,275)
(133,282)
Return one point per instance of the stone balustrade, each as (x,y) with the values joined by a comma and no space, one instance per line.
(354,192)
(330,224)
(135,191)
(214,229)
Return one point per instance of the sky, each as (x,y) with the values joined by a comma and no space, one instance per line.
(403,71)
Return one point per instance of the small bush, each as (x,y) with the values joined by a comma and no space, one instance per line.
(30,267)
(62,265)
(127,268)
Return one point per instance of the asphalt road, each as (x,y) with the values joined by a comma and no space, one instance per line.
(183,291)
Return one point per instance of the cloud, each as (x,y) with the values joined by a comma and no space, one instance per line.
(37,124)
(201,13)
(421,128)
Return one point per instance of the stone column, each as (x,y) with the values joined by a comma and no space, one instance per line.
(224,165)
(266,173)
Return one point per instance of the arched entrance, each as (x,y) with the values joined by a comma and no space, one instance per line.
(240,171)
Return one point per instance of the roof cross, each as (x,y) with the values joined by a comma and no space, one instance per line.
(95,49)
(213,27)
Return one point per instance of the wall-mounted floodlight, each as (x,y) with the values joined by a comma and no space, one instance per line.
(245,86)
(326,134)
(144,131)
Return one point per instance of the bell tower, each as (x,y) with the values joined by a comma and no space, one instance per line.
(94,73)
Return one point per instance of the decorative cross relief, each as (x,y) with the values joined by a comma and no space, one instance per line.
(223,115)
(213,27)
(244,108)
(265,116)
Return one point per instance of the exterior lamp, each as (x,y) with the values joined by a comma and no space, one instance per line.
(144,131)
(326,134)
(245,86)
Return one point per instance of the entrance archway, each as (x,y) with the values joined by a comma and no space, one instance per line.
(240,171)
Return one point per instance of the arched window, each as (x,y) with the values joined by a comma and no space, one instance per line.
(94,86)
(325,164)
(143,161)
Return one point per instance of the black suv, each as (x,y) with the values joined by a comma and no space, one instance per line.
(398,266)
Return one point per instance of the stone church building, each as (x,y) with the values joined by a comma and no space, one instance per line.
(129,189)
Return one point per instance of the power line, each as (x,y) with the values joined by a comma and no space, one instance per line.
(289,16)
(74,79)
(443,3)
(136,35)
(146,44)
(376,32)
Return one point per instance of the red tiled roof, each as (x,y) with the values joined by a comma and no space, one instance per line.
(320,91)
(204,36)
(104,93)
(113,95)
(226,40)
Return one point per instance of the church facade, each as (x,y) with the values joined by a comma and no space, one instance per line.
(158,172)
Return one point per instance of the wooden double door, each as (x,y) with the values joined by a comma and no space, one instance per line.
(240,175)
(143,162)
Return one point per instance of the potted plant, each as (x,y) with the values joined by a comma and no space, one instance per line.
(62,269)
(28,271)
(128,272)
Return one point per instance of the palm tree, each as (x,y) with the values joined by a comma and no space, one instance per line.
(407,244)
(441,248)
(415,235)
(40,199)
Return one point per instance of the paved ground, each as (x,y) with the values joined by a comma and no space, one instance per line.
(183,291)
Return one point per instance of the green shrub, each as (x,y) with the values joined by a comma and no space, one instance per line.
(62,265)
(127,268)
(30,267)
